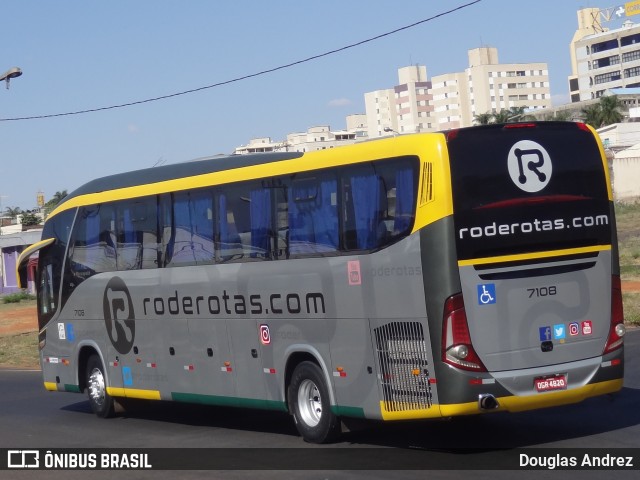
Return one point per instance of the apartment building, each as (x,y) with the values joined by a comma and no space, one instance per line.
(452,100)
(315,138)
(603,59)
(405,108)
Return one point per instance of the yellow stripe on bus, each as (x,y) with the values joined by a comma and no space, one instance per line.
(533,256)
(510,403)
(133,393)
(430,148)
(51,386)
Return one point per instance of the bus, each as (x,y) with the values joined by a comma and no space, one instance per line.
(412,277)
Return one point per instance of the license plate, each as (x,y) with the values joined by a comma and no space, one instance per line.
(547,384)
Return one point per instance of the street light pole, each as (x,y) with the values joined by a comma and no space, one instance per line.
(13,72)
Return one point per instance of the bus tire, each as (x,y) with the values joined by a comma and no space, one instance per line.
(101,402)
(309,402)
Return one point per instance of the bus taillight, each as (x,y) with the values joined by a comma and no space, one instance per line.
(617,328)
(457,349)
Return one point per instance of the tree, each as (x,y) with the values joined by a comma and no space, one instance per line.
(483,118)
(12,212)
(603,113)
(55,200)
(29,219)
(592,115)
(610,107)
(503,116)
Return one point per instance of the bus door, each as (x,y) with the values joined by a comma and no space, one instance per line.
(533,226)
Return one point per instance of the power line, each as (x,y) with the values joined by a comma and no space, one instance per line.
(245,77)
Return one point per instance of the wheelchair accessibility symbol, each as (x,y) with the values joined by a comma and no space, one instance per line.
(487,294)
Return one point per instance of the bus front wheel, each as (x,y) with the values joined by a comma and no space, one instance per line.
(310,405)
(101,402)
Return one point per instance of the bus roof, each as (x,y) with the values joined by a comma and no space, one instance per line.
(177,170)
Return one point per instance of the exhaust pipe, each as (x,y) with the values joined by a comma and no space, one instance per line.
(487,401)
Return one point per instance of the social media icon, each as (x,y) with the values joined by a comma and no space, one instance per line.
(574,329)
(545,334)
(559,332)
(587,327)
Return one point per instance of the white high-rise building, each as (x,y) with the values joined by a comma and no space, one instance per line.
(452,100)
(603,59)
(405,108)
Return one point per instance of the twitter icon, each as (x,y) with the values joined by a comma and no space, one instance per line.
(559,332)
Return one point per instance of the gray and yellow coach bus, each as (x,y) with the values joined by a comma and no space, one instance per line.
(421,276)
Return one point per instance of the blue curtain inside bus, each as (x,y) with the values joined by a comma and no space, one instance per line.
(260,213)
(313,217)
(368,212)
(404,200)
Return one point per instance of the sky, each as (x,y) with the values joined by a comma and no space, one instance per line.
(79,55)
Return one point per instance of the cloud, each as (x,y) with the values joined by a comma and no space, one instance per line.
(133,128)
(340,102)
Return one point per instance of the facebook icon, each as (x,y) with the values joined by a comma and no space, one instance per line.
(545,334)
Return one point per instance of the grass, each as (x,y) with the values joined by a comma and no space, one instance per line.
(17,297)
(628,223)
(19,350)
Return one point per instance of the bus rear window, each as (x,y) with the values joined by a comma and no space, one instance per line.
(518,190)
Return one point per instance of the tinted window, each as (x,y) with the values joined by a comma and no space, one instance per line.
(191,233)
(313,214)
(50,264)
(527,189)
(137,245)
(379,203)
(245,222)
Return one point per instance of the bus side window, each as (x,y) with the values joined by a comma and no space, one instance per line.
(379,203)
(313,215)
(365,206)
(93,243)
(244,222)
(192,229)
(137,245)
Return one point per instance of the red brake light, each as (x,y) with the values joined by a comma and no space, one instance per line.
(583,126)
(457,349)
(617,329)
(520,125)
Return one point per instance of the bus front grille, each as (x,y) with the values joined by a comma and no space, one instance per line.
(403,366)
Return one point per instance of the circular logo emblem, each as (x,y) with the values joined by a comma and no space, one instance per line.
(118,315)
(529,166)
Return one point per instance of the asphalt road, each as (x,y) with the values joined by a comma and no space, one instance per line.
(30,417)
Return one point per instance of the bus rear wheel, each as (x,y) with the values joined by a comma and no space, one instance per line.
(310,405)
(101,402)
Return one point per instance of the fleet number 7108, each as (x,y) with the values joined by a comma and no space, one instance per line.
(542,291)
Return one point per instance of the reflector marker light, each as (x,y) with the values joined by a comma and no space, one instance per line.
(482,381)
(269,370)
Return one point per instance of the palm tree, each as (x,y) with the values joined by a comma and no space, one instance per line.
(592,115)
(483,118)
(503,116)
(57,198)
(12,212)
(610,107)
